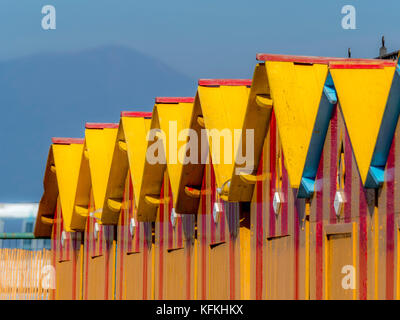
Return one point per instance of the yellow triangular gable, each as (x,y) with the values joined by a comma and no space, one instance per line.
(67,158)
(257,119)
(94,170)
(48,202)
(99,146)
(136,130)
(174,119)
(296,91)
(168,114)
(224,104)
(129,154)
(191,177)
(363,91)
(153,172)
(66,150)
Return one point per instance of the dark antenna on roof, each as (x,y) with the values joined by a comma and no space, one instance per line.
(383,50)
(349,53)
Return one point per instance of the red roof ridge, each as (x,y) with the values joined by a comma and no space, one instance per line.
(94,125)
(136,114)
(312,59)
(224,82)
(58,140)
(174,99)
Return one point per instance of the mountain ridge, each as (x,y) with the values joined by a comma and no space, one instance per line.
(54,94)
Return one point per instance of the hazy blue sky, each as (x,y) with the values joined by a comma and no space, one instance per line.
(207,38)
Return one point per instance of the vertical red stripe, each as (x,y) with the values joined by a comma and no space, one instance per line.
(61,229)
(145,266)
(100,238)
(121,236)
(319,231)
(285,188)
(334,153)
(67,245)
(87,241)
(348,160)
(179,223)
(213,199)
(54,249)
(74,261)
(188,270)
(167,216)
(107,265)
(272,164)
(390,224)
(222,220)
(129,214)
(92,222)
(363,244)
(232,268)
(138,235)
(161,246)
(296,252)
(203,238)
(259,234)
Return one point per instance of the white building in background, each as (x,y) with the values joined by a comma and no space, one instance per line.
(20,217)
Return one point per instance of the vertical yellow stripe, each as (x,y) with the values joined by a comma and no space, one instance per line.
(195,272)
(82,268)
(326,266)
(307,253)
(114,270)
(398,263)
(153,274)
(355,259)
(376,252)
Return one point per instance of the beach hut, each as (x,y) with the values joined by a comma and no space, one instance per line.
(314,213)
(369,100)
(134,239)
(174,232)
(213,189)
(54,217)
(99,238)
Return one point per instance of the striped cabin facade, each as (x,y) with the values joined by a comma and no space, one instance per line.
(176,248)
(67,259)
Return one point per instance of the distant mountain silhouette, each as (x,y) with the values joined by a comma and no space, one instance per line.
(54,94)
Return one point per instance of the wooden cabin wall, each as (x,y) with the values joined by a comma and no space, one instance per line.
(67,260)
(174,251)
(251,252)
(134,253)
(278,241)
(99,264)
(221,273)
(300,253)
(384,248)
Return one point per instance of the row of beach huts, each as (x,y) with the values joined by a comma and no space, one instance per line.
(279,187)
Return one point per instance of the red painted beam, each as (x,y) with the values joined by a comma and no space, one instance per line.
(136,114)
(316,60)
(91,125)
(56,140)
(224,82)
(174,100)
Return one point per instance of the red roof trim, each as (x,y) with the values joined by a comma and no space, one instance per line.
(361,65)
(174,100)
(224,82)
(91,125)
(309,59)
(136,114)
(56,140)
